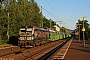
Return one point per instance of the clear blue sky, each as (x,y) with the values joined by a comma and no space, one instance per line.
(69,11)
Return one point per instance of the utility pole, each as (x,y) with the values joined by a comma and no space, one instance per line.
(79,32)
(8,27)
(63,27)
(83,29)
(41,23)
(50,23)
(60,24)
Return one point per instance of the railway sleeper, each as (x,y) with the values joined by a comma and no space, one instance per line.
(61,54)
(5,51)
(15,49)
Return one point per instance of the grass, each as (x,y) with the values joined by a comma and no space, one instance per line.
(5,45)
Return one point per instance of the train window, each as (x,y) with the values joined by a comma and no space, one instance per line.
(29,29)
(23,30)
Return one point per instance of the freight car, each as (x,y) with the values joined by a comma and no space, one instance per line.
(32,36)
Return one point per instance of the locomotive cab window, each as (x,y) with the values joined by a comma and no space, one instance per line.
(23,30)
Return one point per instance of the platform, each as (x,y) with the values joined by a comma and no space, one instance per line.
(76,51)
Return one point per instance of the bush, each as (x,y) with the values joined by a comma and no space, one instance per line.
(13,40)
(88,39)
(2,42)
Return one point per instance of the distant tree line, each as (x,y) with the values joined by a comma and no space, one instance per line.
(87,29)
(17,13)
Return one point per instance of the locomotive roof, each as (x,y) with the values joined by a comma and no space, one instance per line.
(23,26)
(37,28)
(50,30)
(43,29)
(29,27)
(26,26)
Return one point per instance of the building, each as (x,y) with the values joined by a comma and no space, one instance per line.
(89,25)
(57,27)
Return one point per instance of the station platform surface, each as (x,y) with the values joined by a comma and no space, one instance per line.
(77,51)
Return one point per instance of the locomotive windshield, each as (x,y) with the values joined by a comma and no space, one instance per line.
(23,30)
(29,29)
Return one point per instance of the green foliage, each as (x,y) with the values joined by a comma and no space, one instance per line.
(2,42)
(46,22)
(87,29)
(19,13)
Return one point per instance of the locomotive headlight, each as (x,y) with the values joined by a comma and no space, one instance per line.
(27,33)
(32,38)
(19,38)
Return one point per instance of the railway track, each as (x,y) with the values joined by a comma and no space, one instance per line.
(36,54)
(60,53)
(10,50)
(57,53)
(33,53)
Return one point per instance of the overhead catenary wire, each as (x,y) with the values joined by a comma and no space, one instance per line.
(48,12)
(57,20)
(52,9)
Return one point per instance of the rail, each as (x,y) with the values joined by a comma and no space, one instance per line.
(47,55)
(62,52)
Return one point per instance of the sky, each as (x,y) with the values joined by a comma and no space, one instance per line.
(68,11)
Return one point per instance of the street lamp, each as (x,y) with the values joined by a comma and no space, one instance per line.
(83,29)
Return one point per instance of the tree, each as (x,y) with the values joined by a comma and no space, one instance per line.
(86,25)
(14,14)
(21,13)
(46,22)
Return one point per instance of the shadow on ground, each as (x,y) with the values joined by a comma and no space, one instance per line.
(85,50)
(13,40)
